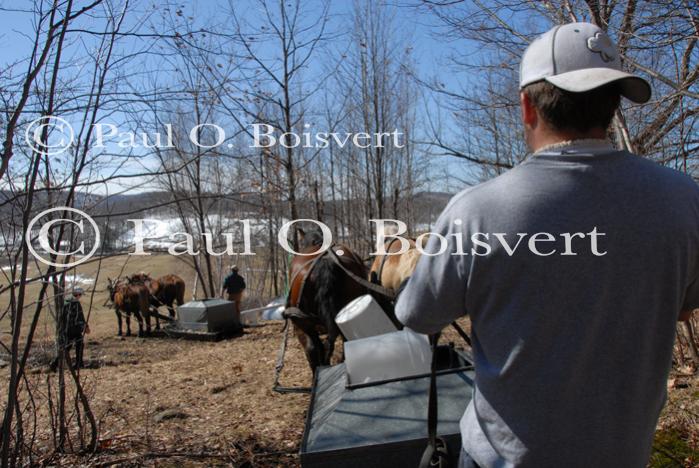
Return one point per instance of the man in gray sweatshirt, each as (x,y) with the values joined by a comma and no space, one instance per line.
(574,268)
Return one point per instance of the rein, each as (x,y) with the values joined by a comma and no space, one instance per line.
(385,292)
(280,365)
(150,294)
(292,310)
(332,254)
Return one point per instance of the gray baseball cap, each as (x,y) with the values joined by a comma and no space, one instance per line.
(579,57)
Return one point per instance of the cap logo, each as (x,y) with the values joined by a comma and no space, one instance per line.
(604,46)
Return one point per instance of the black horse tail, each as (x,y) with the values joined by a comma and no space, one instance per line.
(327,277)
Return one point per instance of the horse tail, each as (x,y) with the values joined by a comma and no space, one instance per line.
(326,278)
(180,292)
(144,300)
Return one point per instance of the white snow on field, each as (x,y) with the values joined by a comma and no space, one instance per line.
(78,278)
(162,232)
(423,227)
(8,269)
(72,278)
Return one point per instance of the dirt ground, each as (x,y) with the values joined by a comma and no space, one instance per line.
(214,398)
(174,402)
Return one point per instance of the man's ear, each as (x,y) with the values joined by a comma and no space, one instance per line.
(529,115)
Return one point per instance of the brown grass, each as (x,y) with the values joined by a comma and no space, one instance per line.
(223,390)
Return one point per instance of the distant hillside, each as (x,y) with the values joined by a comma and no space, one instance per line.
(425,206)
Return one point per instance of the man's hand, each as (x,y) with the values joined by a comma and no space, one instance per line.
(87,329)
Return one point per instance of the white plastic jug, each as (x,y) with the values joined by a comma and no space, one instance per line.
(362,318)
(389,356)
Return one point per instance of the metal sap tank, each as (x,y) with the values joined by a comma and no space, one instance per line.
(384,424)
(208,315)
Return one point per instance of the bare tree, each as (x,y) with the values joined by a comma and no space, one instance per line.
(653,38)
(378,98)
(60,83)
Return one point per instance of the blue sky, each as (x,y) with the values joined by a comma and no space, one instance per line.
(430,49)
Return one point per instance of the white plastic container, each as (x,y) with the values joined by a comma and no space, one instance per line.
(362,318)
(389,356)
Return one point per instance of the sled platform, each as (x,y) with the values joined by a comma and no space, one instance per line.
(384,424)
(199,335)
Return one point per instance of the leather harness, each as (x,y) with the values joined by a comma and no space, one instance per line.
(297,282)
(379,272)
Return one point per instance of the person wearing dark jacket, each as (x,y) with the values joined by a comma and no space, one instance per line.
(234,286)
(71,329)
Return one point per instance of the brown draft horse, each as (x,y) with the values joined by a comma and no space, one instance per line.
(163,291)
(393,271)
(318,290)
(129,299)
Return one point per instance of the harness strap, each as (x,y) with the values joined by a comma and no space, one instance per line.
(292,310)
(295,312)
(160,303)
(462,333)
(402,286)
(312,262)
(150,294)
(436,454)
(386,292)
(280,365)
(379,273)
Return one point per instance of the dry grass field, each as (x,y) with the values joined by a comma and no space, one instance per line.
(174,402)
(216,397)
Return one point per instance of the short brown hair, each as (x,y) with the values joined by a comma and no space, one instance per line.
(564,110)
